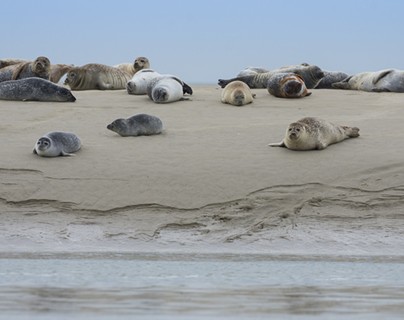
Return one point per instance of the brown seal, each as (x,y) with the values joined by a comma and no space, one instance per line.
(237,93)
(39,68)
(287,85)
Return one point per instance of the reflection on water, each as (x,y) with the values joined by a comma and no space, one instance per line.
(128,286)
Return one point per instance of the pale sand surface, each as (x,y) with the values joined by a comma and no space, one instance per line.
(210,183)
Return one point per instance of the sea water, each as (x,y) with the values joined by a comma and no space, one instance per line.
(191,286)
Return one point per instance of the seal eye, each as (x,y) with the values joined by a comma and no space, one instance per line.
(297,129)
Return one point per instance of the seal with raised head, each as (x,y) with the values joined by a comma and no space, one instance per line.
(311,75)
(167,88)
(314,134)
(34,89)
(96,76)
(137,125)
(329,78)
(237,93)
(140,63)
(39,68)
(57,143)
(390,80)
(138,84)
(287,85)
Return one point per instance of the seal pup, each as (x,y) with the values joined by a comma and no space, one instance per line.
(34,89)
(311,75)
(314,134)
(137,125)
(57,71)
(167,88)
(138,84)
(329,78)
(39,68)
(237,93)
(57,143)
(94,76)
(389,80)
(287,85)
(140,63)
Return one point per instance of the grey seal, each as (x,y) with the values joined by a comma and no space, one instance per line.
(139,82)
(167,88)
(39,68)
(389,80)
(58,70)
(287,85)
(313,133)
(34,89)
(249,71)
(57,143)
(137,125)
(329,78)
(140,63)
(94,76)
(237,93)
(311,75)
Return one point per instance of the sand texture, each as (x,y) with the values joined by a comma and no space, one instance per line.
(209,182)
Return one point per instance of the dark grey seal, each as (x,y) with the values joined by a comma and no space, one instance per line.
(34,89)
(329,78)
(137,125)
(57,143)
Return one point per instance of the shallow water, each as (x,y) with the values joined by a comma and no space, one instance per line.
(175,286)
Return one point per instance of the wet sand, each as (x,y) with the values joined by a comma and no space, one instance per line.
(209,183)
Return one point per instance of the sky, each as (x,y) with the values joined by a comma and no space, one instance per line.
(204,40)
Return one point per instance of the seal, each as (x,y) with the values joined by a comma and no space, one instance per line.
(139,82)
(8,62)
(57,71)
(137,125)
(237,93)
(250,71)
(94,76)
(167,88)
(311,75)
(314,134)
(39,68)
(34,89)
(57,143)
(140,63)
(389,80)
(287,85)
(329,78)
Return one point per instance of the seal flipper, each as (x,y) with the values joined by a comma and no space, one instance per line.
(344,84)
(186,89)
(381,76)
(62,153)
(34,151)
(278,144)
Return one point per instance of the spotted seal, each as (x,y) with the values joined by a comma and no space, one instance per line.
(139,82)
(34,89)
(57,143)
(311,75)
(314,133)
(167,88)
(94,76)
(389,80)
(237,93)
(287,85)
(39,68)
(329,78)
(137,125)
(140,63)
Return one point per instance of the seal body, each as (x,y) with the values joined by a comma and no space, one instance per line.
(96,76)
(57,143)
(34,89)
(314,133)
(329,78)
(39,68)
(57,71)
(137,125)
(140,63)
(237,93)
(250,71)
(390,80)
(139,82)
(8,62)
(167,88)
(287,85)
(311,75)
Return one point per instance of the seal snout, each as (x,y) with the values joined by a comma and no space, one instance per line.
(293,87)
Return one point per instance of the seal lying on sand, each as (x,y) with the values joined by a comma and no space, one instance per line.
(34,89)
(96,76)
(287,85)
(167,88)
(137,125)
(313,133)
(251,71)
(310,74)
(58,70)
(132,68)
(390,80)
(329,78)
(39,68)
(237,93)
(54,144)
(138,84)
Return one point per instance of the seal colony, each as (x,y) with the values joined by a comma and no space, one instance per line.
(55,143)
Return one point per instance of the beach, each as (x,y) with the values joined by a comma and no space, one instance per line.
(209,183)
